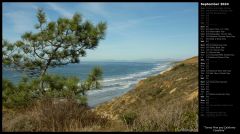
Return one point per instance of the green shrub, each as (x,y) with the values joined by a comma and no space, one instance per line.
(50,86)
(17,96)
(8,89)
(26,90)
(129,117)
(60,86)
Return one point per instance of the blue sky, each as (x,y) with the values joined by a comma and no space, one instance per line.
(135,30)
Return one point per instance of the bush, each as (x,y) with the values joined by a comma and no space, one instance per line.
(17,96)
(49,115)
(51,86)
(8,89)
(60,86)
(129,117)
(25,91)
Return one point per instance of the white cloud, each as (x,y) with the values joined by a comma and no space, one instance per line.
(60,10)
(96,8)
(19,16)
(121,26)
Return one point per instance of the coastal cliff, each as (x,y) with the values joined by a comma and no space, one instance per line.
(166,102)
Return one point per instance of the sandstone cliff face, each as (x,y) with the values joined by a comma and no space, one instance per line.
(169,96)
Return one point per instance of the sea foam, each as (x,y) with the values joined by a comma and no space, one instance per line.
(116,86)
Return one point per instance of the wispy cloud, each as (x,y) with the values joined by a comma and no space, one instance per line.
(162,26)
(96,8)
(121,26)
(20,17)
(93,10)
(21,5)
(60,10)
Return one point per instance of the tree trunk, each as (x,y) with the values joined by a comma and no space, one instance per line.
(43,73)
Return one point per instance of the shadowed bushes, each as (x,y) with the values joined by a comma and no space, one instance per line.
(52,86)
(129,117)
(17,96)
(53,115)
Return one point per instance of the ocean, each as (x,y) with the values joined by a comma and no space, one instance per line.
(118,77)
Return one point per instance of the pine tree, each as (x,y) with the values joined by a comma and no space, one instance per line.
(55,44)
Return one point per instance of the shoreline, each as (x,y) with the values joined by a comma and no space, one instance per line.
(177,82)
(170,66)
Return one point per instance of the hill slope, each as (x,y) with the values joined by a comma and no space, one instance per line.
(166,102)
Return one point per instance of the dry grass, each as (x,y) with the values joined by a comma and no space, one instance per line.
(176,116)
(166,102)
(45,115)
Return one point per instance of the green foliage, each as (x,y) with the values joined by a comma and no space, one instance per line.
(129,117)
(60,86)
(17,96)
(41,17)
(94,77)
(8,89)
(55,43)
(81,99)
(55,86)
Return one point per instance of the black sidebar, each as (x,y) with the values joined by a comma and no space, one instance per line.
(218,66)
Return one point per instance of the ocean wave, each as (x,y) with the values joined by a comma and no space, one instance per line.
(124,82)
(156,69)
(109,89)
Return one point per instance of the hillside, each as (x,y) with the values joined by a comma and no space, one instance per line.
(166,102)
